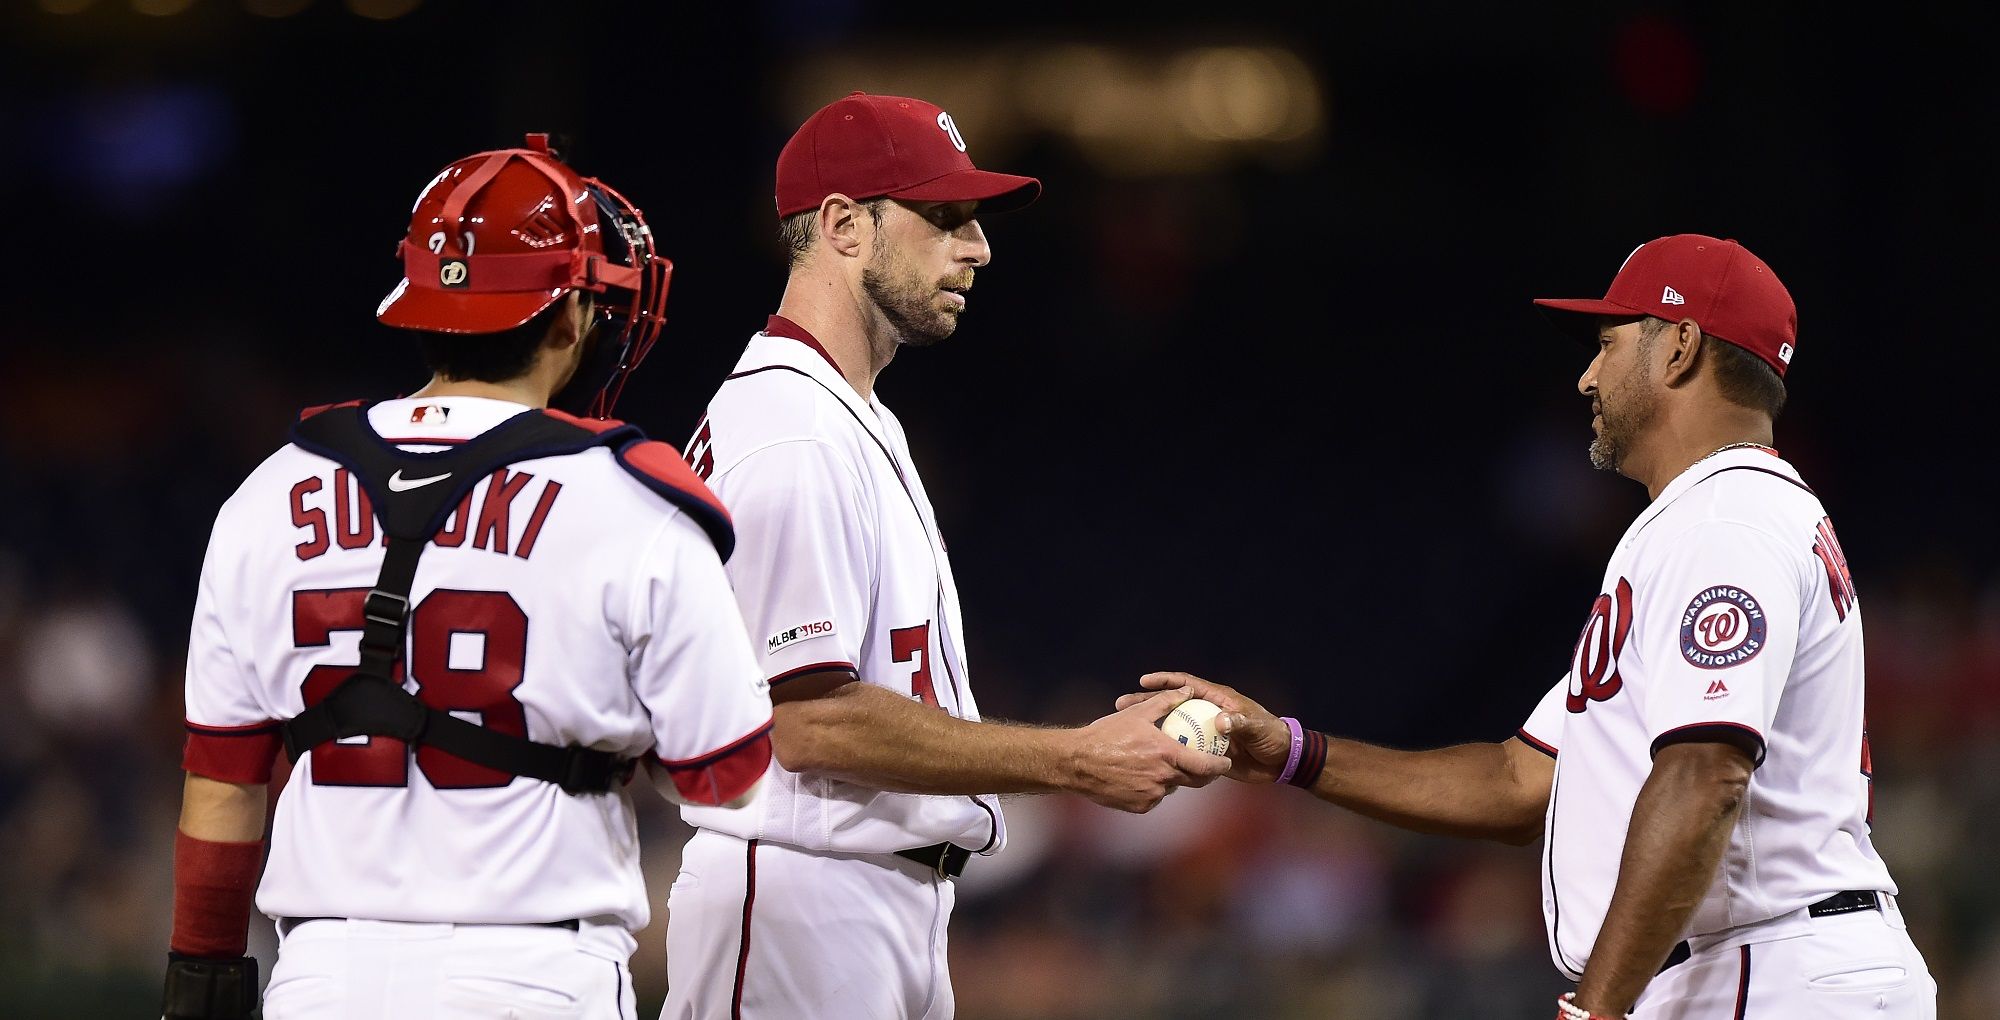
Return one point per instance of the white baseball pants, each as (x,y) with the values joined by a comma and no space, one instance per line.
(337,969)
(1840,967)
(766,931)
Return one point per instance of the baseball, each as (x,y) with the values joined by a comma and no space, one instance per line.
(1193,724)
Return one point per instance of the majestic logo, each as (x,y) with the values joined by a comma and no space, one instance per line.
(430,414)
(1671,296)
(1593,675)
(950,128)
(397,483)
(797,634)
(453,273)
(1716,689)
(1785,353)
(1724,626)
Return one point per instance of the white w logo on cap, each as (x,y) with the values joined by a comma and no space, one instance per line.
(951,129)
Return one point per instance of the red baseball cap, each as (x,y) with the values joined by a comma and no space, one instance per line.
(1731,294)
(867,146)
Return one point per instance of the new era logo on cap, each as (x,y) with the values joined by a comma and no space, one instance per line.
(1671,296)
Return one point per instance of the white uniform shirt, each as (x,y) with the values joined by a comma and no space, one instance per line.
(565,596)
(1727,605)
(838,566)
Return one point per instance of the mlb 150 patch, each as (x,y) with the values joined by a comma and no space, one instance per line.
(1724,626)
(794,635)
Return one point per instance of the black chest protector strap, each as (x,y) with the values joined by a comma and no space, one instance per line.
(413,494)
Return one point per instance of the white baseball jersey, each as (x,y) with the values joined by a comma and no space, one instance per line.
(1727,606)
(564,601)
(838,566)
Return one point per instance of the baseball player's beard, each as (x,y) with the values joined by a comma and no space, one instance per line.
(907,302)
(1615,437)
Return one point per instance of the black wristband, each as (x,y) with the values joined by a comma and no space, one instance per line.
(1312,760)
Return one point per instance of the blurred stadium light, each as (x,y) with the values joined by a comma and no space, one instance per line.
(1134,111)
(382,10)
(276,8)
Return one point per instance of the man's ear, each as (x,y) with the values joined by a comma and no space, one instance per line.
(841,224)
(571,323)
(1682,348)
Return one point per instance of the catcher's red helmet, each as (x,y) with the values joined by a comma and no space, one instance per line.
(499,236)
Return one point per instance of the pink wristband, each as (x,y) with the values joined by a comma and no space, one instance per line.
(1298,745)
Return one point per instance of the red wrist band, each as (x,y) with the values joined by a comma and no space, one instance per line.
(213,886)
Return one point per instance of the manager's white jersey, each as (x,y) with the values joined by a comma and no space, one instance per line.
(1727,606)
(838,566)
(564,600)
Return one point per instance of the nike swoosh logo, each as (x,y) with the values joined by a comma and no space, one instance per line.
(397,483)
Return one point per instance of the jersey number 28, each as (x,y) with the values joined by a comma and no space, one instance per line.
(490,627)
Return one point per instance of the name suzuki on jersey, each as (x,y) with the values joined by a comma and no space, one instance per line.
(353,524)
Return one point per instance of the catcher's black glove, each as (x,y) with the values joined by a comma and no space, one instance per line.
(208,988)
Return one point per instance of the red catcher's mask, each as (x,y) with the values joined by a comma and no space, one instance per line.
(499,236)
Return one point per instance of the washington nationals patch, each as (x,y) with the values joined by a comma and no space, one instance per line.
(1723,627)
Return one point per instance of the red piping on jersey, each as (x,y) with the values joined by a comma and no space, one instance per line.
(1529,739)
(743,944)
(1680,734)
(1743,984)
(817,667)
(778,325)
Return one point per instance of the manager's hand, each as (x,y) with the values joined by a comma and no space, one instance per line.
(1259,742)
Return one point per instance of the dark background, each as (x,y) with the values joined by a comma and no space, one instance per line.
(1274,410)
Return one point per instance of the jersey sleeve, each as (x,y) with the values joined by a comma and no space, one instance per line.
(1543,730)
(230,736)
(1718,626)
(801,568)
(691,668)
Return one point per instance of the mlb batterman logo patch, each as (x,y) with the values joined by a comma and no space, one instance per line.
(794,635)
(1724,626)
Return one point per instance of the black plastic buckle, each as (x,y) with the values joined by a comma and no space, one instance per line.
(586,771)
(392,610)
(947,859)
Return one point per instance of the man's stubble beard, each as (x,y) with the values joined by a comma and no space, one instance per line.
(1637,405)
(906,302)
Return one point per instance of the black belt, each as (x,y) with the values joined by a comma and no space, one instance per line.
(288,923)
(947,859)
(1839,903)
